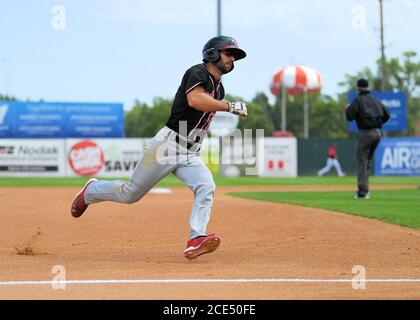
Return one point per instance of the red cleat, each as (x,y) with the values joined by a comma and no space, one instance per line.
(79,205)
(201,245)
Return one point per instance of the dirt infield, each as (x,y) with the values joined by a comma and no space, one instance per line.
(145,241)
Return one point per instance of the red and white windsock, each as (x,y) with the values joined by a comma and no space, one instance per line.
(296,78)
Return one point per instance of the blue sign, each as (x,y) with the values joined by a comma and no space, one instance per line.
(396,102)
(398,157)
(61,120)
(7,118)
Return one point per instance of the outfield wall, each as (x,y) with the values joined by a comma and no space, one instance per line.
(288,157)
(28,158)
(313,154)
(266,157)
(398,157)
(113,158)
(69,157)
(102,157)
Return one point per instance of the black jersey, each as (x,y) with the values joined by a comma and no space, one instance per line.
(368,111)
(196,121)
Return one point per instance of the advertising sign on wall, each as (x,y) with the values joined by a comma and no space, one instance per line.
(398,157)
(209,153)
(238,155)
(26,158)
(103,157)
(7,116)
(277,157)
(114,158)
(60,120)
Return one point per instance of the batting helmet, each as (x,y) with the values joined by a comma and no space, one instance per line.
(211,50)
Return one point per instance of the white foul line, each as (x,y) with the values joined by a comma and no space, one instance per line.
(157,281)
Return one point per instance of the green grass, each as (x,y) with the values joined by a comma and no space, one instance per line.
(172,181)
(400,207)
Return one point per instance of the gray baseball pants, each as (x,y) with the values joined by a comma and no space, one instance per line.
(162,157)
(368,140)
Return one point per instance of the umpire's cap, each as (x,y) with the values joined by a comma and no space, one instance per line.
(362,84)
(214,45)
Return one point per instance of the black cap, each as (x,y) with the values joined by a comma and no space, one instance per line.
(362,84)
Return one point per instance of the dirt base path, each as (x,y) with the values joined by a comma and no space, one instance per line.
(145,241)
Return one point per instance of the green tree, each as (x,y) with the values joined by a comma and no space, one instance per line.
(294,113)
(326,116)
(145,121)
(7,98)
(258,117)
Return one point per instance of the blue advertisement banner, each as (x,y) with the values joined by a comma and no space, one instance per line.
(398,157)
(396,102)
(7,116)
(61,120)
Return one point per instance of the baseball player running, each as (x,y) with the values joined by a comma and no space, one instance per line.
(332,161)
(175,148)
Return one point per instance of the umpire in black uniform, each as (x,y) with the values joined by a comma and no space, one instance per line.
(370,114)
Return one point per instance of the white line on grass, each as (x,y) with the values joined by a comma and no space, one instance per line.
(157,281)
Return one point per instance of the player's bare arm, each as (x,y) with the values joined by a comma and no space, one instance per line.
(200,100)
